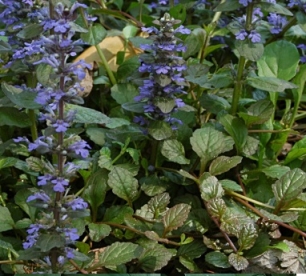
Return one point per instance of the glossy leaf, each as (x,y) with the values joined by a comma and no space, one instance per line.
(276,171)
(123,184)
(230,185)
(176,216)
(247,236)
(160,130)
(158,204)
(118,253)
(208,143)
(211,188)
(216,206)
(223,164)
(174,151)
(192,250)
(289,186)
(217,259)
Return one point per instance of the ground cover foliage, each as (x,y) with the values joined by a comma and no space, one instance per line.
(141,137)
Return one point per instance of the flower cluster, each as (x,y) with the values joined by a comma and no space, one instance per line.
(54,48)
(277,21)
(303,48)
(297,3)
(164,67)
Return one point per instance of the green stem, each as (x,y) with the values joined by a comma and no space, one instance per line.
(153,159)
(238,85)
(31,82)
(104,61)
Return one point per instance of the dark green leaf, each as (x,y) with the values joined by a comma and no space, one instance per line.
(174,151)
(230,185)
(176,216)
(13,117)
(21,200)
(95,34)
(273,64)
(192,250)
(118,253)
(95,190)
(223,164)
(237,129)
(153,185)
(208,143)
(275,8)
(160,130)
(217,259)
(43,73)
(6,162)
(4,47)
(258,112)
(30,31)
(124,93)
(23,223)
(123,184)
(275,171)
(6,221)
(19,97)
(189,264)
(197,73)
(249,50)
(213,103)
(97,232)
(178,11)
(261,245)
(117,213)
(96,135)
(48,241)
(250,146)
(127,68)
(237,261)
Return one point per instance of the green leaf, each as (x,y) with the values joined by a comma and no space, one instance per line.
(87,115)
(23,223)
(97,135)
(124,93)
(11,116)
(154,258)
(95,190)
(158,204)
(237,261)
(166,105)
(237,129)
(230,185)
(193,250)
(298,150)
(176,216)
(217,259)
(127,68)
(133,107)
(123,184)
(274,8)
(30,31)
(197,73)
(178,11)
(273,63)
(213,103)
(247,236)
(95,34)
(19,97)
(8,248)
(258,112)
(6,221)
(6,162)
(261,245)
(105,159)
(281,246)
(270,84)
(211,188)
(275,171)
(174,151)
(249,50)
(153,185)
(118,253)
(250,146)
(208,143)
(289,186)
(117,213)
(21,200)
(216,207)
(189,264)
(97,232)
(160,130)
(48,241)
(4,47)
(223,164)
(43,73)
(299,80)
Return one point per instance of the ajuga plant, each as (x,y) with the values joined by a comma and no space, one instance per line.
(52,236)
(163,86)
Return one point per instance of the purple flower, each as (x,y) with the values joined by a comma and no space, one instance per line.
(41,144)
(60,125)
(277,21)
(77,204)
(59,184)
(69,253)
(40,196)
(181,29)
(245,2)
(254,36)
(241,35)
(80,148)
(44,179)
(71,233)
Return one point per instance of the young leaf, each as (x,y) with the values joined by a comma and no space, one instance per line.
(176,216)
(123,184)
(289,186)
(211,188)
(6,221)
(189,264)
(158,204)
(174,151)
(208,143)
(230,185)
(160,130)
(223,164)
(97,232)
(237,261)
(247,236)
(118,253)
